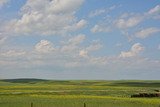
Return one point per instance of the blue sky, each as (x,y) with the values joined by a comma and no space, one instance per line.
(80,39)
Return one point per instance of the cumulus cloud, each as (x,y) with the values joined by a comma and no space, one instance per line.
(77,39)
(13,53)
(76,61)
(135,50)
(81,24)
(122,23)
(97,12)
(94,46)
(44,46)
(72,44)
(155,10)
(147,32)
(52,6)
(126,23)
(101,11)
(83,53)
(100,28)
(129,22)
(56,17)
(47,18)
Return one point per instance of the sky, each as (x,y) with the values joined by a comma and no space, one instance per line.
(80,39)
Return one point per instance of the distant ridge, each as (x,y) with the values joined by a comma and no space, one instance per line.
(24,80)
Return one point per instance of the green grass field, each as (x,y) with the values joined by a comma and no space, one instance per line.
(49,93)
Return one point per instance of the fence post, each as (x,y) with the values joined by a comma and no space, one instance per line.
(31,104)
(84,104)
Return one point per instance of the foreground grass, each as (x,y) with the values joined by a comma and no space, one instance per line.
(75,93)
(76,101)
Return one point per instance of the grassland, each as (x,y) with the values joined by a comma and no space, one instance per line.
(49,93)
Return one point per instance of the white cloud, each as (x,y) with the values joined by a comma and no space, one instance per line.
(155,10)
(77,39)
(52,6)
(101,11)
(132,20)
(100,28)
(76,61)
(13,53)
(83,53)
(97,12)
(3,2)
(44,46)
(135,50)
(147,32)
(153,13)
(64,6)
(81,24)
(47,18)
(72,44)
(69,48)
(94,46)
(100,61)
(124,23)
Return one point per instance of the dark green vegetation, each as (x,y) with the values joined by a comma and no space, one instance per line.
(49,93)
